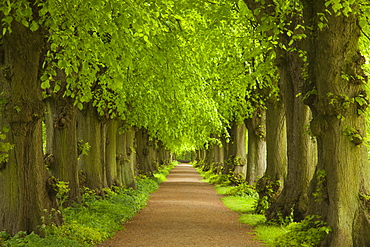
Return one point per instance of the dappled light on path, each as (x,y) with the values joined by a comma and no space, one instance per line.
(185,212)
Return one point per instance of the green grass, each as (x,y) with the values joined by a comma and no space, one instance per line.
(245,206)
(239,204)
(269,233)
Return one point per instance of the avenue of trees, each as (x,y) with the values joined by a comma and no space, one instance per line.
(95,92)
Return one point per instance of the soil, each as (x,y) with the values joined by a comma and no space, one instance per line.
(185,211)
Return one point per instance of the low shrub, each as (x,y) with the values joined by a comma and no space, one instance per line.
(310,232)
(243,189)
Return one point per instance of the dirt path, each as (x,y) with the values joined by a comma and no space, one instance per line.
(184,211)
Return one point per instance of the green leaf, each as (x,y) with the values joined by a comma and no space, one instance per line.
(25,23)
(34,26)
(45,84)
(8,20)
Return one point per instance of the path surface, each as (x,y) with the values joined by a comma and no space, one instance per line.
(184,211)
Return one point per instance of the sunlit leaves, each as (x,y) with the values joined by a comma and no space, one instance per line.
(181,69)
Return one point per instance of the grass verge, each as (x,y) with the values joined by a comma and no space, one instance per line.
(245,205)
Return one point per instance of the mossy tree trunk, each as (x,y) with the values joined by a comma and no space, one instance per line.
(301,151)
(126,156)
(145,153)
(91,130)
(256,158)
(23,177)
(338,123)
(241,148)
(62,150)
(276,140)
(61,142)
(271,184)
(111,153)
(209,157)
(219,157)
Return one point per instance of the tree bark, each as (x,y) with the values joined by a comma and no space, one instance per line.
(276,141)
(301,150)
(209,157)
(62,150)
(336,74)
(61,142)
(23,177)
(111,153)
(91,130)
(256,157)
(126,153)
(241,148)
(145,153)
(219,159)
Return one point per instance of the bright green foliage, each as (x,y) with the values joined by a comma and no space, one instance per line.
(243,189)
(34,240)
(309,233)
(267,191)
(183,71)
(5,147)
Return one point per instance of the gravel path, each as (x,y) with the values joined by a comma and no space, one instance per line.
(184,211)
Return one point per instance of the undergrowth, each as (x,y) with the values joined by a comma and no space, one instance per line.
(243,198)
(96,219)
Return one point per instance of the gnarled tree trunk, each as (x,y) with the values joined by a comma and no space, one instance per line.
(23,177)
(338,123)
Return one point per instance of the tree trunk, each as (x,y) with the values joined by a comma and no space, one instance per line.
(256,146)
(144,153)
(301,150)
(62,150)
(164,155)
(111,153)
(271,184)
(23,177)
(126,153)
(228,150)
(91,130)
(235,157)
(241,148)
(210,157)
(339,125)
(61,142)
(276,139)
(219,158)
